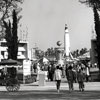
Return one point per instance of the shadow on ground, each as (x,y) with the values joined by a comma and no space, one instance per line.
(51,95)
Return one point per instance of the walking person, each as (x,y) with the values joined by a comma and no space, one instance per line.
(70,77)
(80,78)
(51,72)
(87,74)
(57,76)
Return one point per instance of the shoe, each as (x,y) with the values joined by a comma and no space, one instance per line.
(72,89)
(82,89)
(79,89)
(58,91)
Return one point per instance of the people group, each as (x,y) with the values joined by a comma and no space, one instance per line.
(74,73)
(77,74)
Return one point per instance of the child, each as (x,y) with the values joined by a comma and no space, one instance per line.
(80,78)
(57,75)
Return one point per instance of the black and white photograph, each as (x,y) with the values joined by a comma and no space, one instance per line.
(49,49)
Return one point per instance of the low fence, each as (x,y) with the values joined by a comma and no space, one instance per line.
(95,76)
(27,79)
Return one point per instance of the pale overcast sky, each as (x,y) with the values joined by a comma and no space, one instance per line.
(46,20)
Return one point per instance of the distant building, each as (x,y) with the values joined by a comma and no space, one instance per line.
(22,50)
(36,53)
(33,54)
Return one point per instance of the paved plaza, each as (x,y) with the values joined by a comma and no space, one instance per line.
(48,92)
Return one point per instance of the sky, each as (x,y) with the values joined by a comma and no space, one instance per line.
(46,19)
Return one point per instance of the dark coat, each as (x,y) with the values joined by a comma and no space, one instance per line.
(70,75)
(80,76)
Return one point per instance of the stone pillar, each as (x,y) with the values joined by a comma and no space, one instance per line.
(42,78)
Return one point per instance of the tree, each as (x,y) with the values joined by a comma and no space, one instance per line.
(50,52)
(6,8)
(8,37)
(91,3)
(11,37)
(78,52)
(95,4)
(97,29)
(83,51)
(39,53)
(14,36)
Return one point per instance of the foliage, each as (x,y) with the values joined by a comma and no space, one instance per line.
(97,29)
(14,36)
(91,3)
(8,37)
(11,37)
(78,52)
(95,4)
(39,53)
(51,52)
(6,8)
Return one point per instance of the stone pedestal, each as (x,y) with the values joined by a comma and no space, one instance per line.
(41,78)
(59,55)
